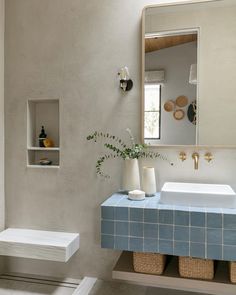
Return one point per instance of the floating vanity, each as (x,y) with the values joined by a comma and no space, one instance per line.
(149,226)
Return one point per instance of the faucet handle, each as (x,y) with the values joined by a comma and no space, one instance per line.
(182,156)
(208,157)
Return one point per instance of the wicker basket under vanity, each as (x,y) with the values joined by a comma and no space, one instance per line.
(232,271)
(149,263)
(196,268)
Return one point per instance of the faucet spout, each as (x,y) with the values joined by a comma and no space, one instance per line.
(195,157)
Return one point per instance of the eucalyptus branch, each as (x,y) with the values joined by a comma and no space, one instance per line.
(155,155)
(100,135)
(114,149)
(119,149)
(99,163)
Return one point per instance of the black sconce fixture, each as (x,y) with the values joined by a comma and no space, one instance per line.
(126,84)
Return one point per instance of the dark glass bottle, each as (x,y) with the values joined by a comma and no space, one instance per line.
(42,136)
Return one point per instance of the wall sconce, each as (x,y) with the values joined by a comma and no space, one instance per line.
(193,74)
(126,84)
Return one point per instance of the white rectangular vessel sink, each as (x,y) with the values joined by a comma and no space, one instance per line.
(198,195)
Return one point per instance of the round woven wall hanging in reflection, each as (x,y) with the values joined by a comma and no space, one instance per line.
(192,112)
(181,101)
(169,106)
(179,114)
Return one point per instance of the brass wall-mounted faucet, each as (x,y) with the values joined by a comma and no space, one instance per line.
(195,157)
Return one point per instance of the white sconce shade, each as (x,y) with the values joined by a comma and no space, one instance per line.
(193,74)
(126,84)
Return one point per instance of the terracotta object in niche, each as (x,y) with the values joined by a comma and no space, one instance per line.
(48,143)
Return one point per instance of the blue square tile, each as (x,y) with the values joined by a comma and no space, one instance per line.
(197,219)
(214,220)
(136,244)
(139,204)
(166,247)
(136,229)
(181,218)
(229,253)
(229,221)
(197,234)
(214,252)
(107,213)
(197,250)
(121,213)
(214,236)
(151,230)
(150,245)
(107,227)
(152,203)
(107,241)
(113,200)
(166,232)
(121,243)
(181,233)
(150,215)
(136,214)
(125,202)
(122,228)
(229,237)
(181,248)
(166,216)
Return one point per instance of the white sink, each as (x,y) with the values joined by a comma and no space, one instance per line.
(198,195)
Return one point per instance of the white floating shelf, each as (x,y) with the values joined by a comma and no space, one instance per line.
(44,166)
(37,244)
(43,149)
(171,280)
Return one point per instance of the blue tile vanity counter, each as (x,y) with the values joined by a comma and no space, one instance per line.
(148,226)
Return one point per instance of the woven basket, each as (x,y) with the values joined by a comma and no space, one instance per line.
(196,268)
(232,271)
(149,263)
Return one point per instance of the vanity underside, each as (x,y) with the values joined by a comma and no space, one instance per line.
(220,285)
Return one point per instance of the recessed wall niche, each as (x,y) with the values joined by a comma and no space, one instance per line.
(43,112)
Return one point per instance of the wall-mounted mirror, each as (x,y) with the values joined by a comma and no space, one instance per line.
(189,68)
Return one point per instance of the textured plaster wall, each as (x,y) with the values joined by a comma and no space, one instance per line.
(72,50)
(2,185)
(2,198)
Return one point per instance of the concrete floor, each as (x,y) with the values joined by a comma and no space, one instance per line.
(116,288)
(9,287)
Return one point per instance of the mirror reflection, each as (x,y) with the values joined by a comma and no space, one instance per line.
(170,87)
(189,66)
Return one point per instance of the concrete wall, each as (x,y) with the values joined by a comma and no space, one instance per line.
(73,50)
(2,197)
(2,179)
(176,62)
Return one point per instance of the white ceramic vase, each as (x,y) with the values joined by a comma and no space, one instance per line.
(149,181)
(131,178)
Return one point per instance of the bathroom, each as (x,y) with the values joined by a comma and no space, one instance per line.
(68,53)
